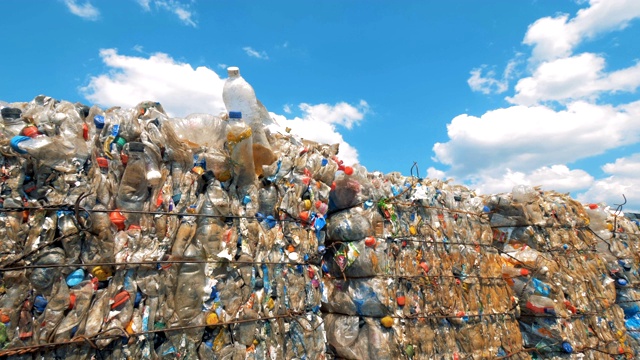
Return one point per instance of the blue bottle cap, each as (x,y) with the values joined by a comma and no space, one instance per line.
(621,282)
(136,302)
(324,162)
(17,140)
(486,209)
(40,303)
(246,199)
(115,130)
(235,115)
(98,120)
(75,278)
(567,347)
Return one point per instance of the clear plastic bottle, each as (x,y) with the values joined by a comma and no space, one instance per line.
(239,140)
(50,151)
(11,121)
(189,297)
(238,95)
(133,191)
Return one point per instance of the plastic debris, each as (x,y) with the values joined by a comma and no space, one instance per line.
(128,233)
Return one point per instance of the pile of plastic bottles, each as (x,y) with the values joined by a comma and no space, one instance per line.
(580,274)
(129,233)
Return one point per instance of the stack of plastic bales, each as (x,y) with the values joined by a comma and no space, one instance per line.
(411,272)
(128,233)
(568,299)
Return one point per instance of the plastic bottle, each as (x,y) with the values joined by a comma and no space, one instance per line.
(540,305)
(133,190)
(12,124)
(239,140)
(238,95)
(50,151)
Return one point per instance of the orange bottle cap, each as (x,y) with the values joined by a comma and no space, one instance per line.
(117,219)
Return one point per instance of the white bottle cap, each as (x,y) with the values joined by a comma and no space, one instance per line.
(233,71)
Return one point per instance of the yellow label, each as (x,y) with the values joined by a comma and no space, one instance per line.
(234,139)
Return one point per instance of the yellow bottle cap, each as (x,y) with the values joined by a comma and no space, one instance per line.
(212,318)
(101,273)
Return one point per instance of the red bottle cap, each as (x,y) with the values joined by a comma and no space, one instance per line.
(102,162)
(120,299)
(31,131)
(348,170)
(72,301)
(370,241)
(124,158)
(117,219)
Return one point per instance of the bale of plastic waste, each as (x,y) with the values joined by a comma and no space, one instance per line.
(128,233)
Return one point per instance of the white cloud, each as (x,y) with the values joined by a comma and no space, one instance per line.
(254,53)
(287,109)
(138,48)
(181,10)
(575,77)
(319,123)
(555,37)
(623,179)
(525,138)
(624,166)
(341,113)
(434,173)
(85,11)
(488,83)
(145,4)
(178,86)
(555,177)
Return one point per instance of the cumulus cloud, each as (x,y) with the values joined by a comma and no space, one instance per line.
(256,54)
(178,86)
(623,179)
(320,123)
(85,10)
(555,177)
(571,78)
(524,138)
(557,117)
(488,83)
(180,9)
(555,37)
(341,113)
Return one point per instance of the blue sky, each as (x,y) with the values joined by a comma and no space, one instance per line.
(489,93)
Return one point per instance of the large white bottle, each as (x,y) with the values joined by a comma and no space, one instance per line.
(238,95)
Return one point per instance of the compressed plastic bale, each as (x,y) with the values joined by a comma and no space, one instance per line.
(435,253)
(348,225)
